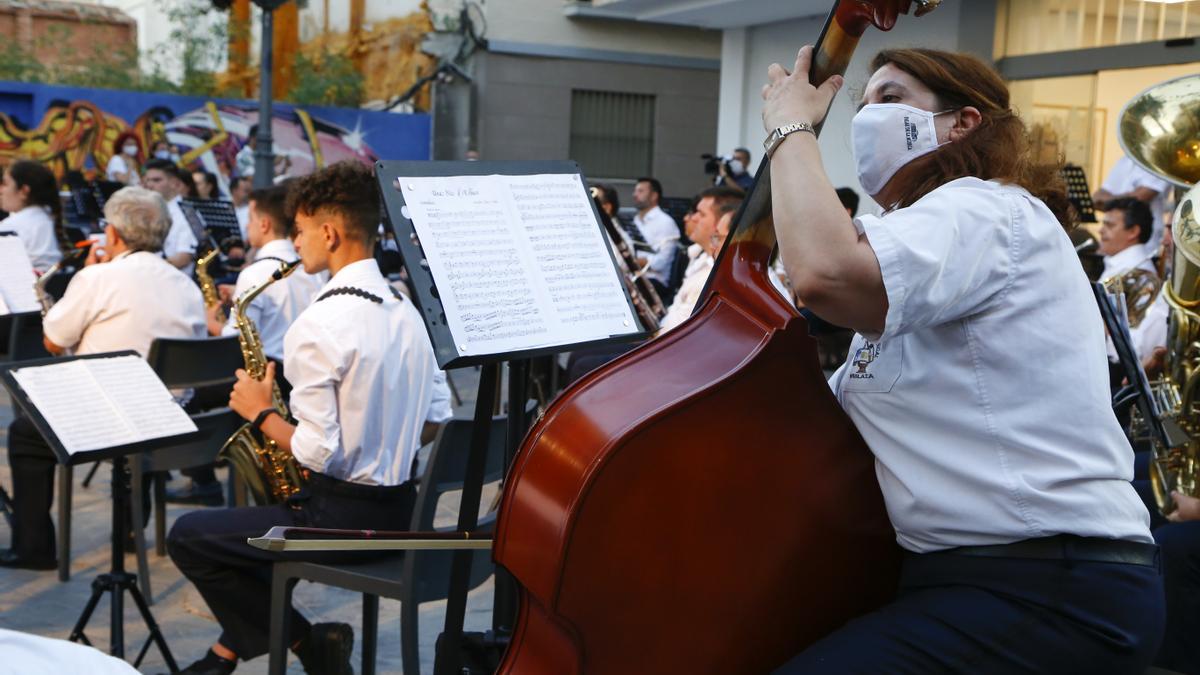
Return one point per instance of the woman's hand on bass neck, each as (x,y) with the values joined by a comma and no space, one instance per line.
(789,97)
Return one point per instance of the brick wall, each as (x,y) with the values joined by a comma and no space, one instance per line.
(66,33)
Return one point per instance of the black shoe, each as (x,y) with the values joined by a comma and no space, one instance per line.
(9,558)
(326,650)
(211,664)
(207,494)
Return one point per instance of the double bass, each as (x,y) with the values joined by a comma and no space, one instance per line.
(701,504)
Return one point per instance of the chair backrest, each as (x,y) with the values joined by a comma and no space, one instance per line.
(678,266)
(216,426)
(427,573)
(183,363)
(25,337)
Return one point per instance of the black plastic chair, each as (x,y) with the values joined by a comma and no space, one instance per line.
(183,363)
(413,578)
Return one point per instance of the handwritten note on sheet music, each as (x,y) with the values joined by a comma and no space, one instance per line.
(16,278)
(93,404)
(520,261)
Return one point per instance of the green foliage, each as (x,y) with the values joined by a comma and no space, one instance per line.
(330,80)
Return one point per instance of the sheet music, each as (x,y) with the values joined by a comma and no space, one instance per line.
(16,278)
(520,261)
(92,404)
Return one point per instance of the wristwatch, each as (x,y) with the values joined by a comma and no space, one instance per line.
(776,137)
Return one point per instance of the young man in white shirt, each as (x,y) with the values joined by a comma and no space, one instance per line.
(357,342)
(126,302)
(714,203)
(165,178)
(659,230)
(272,311)
(1124,232)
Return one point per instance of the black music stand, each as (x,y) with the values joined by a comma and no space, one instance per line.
(116,581)
(214,217)
(450,355)
(1078,192)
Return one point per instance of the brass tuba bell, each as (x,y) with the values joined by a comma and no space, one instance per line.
(1160,131)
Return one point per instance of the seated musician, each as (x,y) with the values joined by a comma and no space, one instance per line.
(362,372)
(167,179)
(980,382)
(1124,234)
(124,298)
(30,194)
(272,311)
(1180,543)
(701,225)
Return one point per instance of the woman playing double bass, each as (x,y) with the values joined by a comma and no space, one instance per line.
(977,379)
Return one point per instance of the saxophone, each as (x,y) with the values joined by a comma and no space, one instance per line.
(208,287)
(271,473)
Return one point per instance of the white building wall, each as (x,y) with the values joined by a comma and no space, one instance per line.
(748,52)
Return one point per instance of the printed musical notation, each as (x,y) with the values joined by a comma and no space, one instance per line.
(93,404)
(520,261)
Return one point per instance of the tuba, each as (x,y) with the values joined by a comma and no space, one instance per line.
(1139,287)
(271,473)
(1160,131)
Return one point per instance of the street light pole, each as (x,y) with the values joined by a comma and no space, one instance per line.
(264,151)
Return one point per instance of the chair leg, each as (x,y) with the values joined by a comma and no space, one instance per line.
(66,479)
(410,646)
(370,632)
(160,513)
(139,530)
(281,600)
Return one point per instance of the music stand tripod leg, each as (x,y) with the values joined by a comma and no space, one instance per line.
(6,506)
(117,581)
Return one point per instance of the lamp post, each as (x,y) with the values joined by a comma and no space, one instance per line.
(264,151)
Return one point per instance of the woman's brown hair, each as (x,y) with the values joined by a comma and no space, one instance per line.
(998,149)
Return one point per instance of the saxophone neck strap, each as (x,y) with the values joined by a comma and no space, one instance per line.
(271,257)
(365,295)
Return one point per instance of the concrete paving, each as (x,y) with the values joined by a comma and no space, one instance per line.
(36,602)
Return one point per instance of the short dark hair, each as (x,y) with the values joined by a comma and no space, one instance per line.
(849,199)
(1136,212)
(272,202)
(164,165)
(655,186)
(346,189)
(725,198)
(745,151)
(211,179)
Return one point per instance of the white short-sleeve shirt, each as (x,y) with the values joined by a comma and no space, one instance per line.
(126,304)
(274,310)
(985,399)
(180,238)
(362,375)
(660,231)
(34,226)
(116,165)
(1151,333)
(689,291)
(1125,177)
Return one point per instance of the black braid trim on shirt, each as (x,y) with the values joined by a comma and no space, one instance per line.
(271,257)
(349,290)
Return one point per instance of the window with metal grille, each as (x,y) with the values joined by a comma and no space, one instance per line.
(612,134)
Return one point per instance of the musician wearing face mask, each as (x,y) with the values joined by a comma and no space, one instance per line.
(977,378)
(123,166)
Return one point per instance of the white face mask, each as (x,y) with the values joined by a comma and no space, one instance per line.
(163,154)
(886,137)
(130,150)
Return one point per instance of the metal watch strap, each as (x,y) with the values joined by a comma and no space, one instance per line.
(776,137)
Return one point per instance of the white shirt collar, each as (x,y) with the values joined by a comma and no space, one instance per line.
(279,248)
(1127,259)
(360,273)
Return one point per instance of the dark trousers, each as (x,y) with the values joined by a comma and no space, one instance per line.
(209,547)
(1180,544)
(963,614)
(32,462)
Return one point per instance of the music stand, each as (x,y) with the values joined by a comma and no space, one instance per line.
(394,177)
(215,217)
(116,581)
(1078,192)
